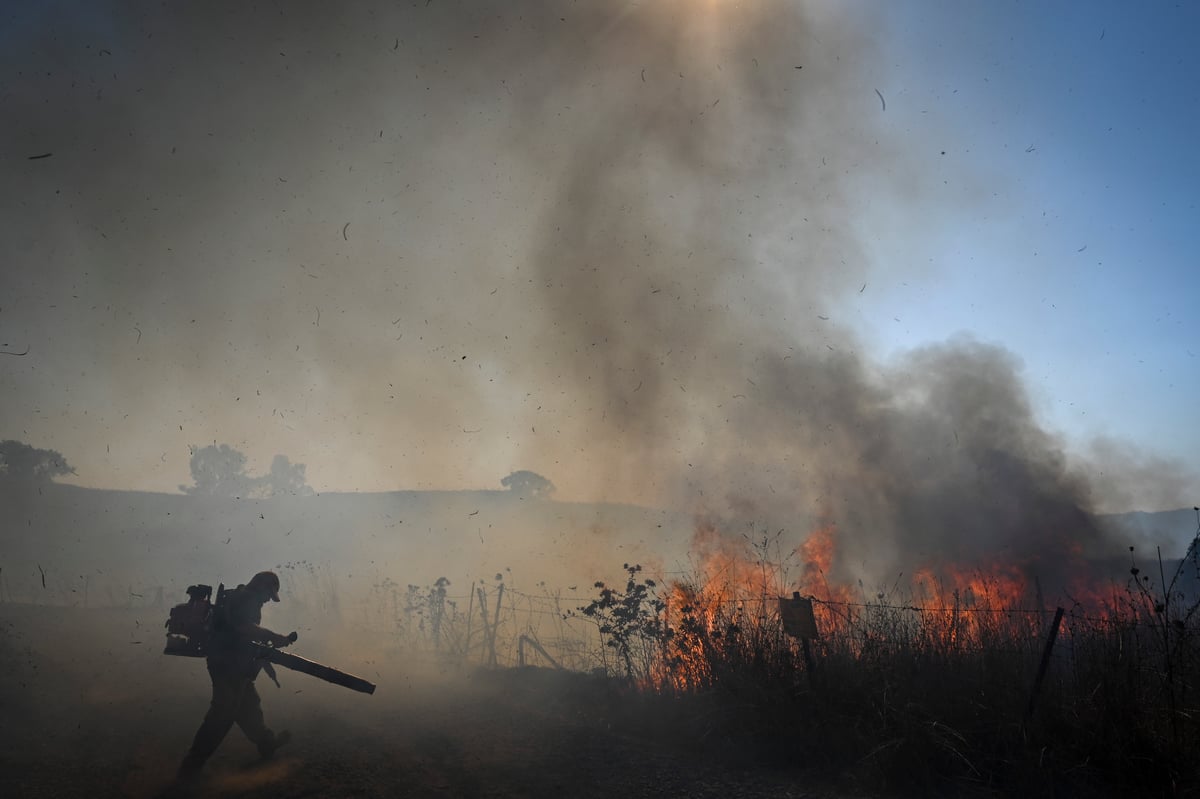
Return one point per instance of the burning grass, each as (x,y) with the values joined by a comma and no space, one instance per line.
(945,686)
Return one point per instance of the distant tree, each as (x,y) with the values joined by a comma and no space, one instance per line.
(285,477)
(528,484)
(21,463)
(218,471)
(221,471)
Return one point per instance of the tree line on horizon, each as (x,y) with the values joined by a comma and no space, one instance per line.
(217,470)
(220,470)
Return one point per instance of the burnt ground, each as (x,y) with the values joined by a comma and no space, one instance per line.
(92,708)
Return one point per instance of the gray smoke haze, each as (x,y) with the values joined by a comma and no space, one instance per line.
(362,236)
(423,246)
(692,225)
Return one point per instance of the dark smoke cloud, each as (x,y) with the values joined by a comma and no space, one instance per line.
(663,312)
(699,217)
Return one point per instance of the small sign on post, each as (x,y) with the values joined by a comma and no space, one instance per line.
(797,616)
(799,622)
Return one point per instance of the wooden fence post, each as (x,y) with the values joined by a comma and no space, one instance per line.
(1041,674)
(496,625)
(470,613)
(525,639)
(483,614)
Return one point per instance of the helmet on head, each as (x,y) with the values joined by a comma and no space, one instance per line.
(268,582)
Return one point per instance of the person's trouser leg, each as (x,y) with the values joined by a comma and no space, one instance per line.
(250,719)
(223,711)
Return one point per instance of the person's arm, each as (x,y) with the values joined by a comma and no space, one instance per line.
(243,617)
(249,631)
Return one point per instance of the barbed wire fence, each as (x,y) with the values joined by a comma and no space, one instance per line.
(485,624)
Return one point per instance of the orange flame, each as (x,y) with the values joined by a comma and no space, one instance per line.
(731,603)
(731,598)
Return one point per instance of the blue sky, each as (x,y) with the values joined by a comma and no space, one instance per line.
(1079,251)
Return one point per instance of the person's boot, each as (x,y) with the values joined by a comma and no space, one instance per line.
(269,745)
(189,769)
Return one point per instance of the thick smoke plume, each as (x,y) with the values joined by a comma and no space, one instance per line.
(697,248)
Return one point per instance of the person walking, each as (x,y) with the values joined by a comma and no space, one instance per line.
(233,666)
